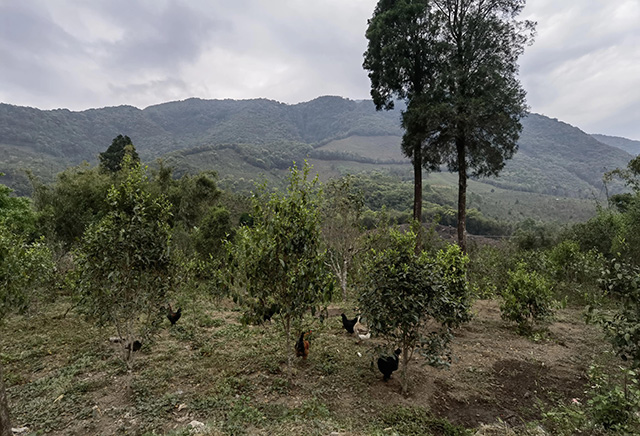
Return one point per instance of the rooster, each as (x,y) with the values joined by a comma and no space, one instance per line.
(388,364)
(174,316)
(348,323)
(302,345)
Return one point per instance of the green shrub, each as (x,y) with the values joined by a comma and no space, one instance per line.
(527,299)
(610,407)
(611,403)
(488,268)
(599,233)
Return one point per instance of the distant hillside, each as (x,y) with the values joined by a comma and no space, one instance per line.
(629,145)
(242,139)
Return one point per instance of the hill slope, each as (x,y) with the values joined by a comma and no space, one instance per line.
(265,136)
(629,145)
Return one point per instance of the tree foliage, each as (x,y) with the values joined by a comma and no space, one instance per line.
(112,159)
(527,299)
(24,267)
(402,63)
(414,300)
(279,262)
(76,200)
(16,213)
(124,262)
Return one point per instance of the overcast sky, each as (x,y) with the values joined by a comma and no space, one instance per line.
(584,67)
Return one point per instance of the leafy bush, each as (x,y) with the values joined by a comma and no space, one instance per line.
(124,262)
(489,266)
(278,265)
(611,404)
(599,233)
(23,268)
(527,299)
(404,291)
(531,234)
(567,262)
(612,401)
(619,278)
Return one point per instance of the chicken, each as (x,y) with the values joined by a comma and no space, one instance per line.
(174,316)
(388,364)
(348,323)
(361,331)
(269,312)
(302,345)
(135,346)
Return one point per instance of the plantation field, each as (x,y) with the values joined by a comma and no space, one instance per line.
(64,377)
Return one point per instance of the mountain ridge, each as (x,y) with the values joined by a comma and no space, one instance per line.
(554,157)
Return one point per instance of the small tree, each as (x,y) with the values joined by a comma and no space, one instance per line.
(212,232)
(112,159)
(414,300)
(76,200)
(278,261)
(527,299)
(23,267)
(124,264)
(341,228)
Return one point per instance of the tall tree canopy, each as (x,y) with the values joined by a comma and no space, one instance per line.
(111,160)
(455,64)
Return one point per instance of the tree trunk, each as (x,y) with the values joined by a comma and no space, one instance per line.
(287,328)
(462,193)
(343,279)
(417,192)
(405,363)
(5,425)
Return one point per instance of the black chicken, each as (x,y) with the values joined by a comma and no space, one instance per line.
(135,346)
(388,364)
(268,312)
(348,323)
(174,316)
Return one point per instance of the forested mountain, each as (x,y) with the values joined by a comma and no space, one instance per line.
(629,145)
(243,138)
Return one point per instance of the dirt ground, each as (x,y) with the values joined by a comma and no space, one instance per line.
(212,369)
(497,374)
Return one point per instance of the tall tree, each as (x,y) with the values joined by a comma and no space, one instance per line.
(111,160)
(401,60)
(468,114)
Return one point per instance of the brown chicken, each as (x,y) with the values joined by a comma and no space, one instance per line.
(302,345)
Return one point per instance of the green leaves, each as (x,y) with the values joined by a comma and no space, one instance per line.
(528,298)
(23,268)
(124,263)
(279,262)
(112,160)
(404,293)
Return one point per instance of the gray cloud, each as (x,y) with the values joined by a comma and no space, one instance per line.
(584,67)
